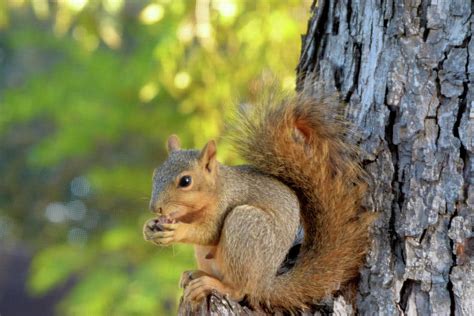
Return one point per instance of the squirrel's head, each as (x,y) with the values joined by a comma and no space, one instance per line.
(184,186)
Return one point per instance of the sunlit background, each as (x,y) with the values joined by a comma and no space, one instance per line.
(89,92)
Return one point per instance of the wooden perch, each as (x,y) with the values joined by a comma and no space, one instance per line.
(215,304)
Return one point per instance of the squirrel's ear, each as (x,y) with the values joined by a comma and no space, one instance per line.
(173,143)
(208,156)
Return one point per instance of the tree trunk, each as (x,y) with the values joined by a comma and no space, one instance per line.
(404,68)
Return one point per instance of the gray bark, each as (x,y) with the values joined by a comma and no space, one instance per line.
(405,68)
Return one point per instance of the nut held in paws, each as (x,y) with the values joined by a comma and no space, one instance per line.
(157,224)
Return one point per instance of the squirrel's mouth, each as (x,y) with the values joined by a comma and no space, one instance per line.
(187,216)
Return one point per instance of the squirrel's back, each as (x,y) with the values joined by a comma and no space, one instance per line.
(258,188)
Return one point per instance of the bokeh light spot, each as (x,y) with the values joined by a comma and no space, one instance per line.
(185,32)
(80,186)
(56,212)
(148,92)
(88,40)
(226,8)
(76,5)
(77,236)
(112,6)
(204,30)
(110,35)
(182,80)
(152,13)
(41,9)
(76,210)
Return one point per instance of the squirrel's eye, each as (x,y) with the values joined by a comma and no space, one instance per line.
(185,181)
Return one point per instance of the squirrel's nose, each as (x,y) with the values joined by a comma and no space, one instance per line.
(154,208)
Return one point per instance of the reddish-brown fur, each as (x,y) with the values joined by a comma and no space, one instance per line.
(323,168)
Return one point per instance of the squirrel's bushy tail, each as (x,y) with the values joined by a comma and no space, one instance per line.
(302,141)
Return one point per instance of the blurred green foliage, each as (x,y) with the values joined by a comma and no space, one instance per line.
(89,91)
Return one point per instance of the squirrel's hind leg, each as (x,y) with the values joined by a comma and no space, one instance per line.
(198,289)
(188,276)
(253,244)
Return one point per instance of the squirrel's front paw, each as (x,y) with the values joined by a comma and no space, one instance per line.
(160,234)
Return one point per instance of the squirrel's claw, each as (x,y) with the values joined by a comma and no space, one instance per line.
(198,289)
(162,241)
(186,277)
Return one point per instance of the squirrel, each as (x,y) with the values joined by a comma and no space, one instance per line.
(242,220)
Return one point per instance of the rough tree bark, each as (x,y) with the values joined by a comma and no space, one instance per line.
(405,69)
